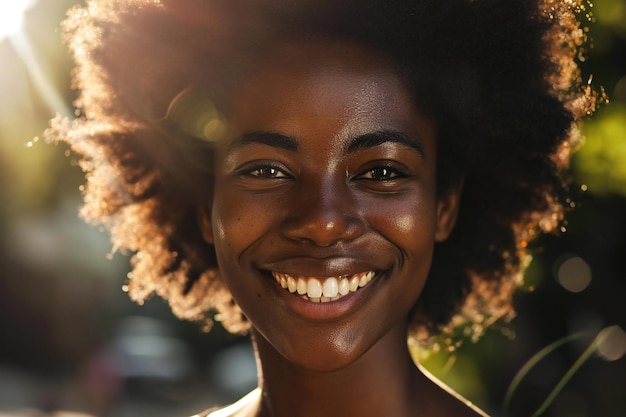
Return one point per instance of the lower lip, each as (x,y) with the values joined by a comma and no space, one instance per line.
(323,311)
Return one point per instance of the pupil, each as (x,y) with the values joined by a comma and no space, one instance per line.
(381,173)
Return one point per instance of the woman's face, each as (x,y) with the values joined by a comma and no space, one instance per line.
(325,212)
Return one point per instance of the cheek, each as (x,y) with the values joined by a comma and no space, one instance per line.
(408,223)
(233,230)
(405,222)
(239,222)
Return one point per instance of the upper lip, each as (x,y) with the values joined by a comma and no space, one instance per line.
(321,268)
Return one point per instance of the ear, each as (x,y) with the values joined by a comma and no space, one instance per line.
(448,212)
(205,224)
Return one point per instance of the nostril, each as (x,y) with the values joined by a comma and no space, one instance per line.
(323,229)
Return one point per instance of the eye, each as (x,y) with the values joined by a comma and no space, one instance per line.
(268,172)
(265,171)
(383,173)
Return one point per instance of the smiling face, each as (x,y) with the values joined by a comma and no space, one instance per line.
(325,211)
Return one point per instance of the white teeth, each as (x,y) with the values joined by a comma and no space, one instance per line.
(344,286)
(291,284)
(314,288)
(365,279)
(354,283)
(301,286)
(330,287)
(323,290)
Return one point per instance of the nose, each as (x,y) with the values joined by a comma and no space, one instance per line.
(323,213)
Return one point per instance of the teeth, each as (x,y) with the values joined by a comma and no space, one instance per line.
(330,287)
(365,279)
(344,286)
(301,287)
(354,283)
(314,288)
(291,284)
(323,290)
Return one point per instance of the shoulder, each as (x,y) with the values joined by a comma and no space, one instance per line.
(242,408)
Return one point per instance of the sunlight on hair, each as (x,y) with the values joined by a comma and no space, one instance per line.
(573,273)
(12,16)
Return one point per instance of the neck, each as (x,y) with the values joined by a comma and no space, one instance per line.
(385,372)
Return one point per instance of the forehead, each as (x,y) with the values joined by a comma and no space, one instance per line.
(322,80)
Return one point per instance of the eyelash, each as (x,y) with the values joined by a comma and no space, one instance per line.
(256,171)
(389,172)
(260,171)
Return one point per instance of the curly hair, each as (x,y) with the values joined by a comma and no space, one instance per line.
(499,77)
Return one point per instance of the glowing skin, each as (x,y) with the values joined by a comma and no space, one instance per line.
(327,174)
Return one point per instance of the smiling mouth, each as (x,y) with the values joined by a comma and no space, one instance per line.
(323,290)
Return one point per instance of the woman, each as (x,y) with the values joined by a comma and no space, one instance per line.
(332,177)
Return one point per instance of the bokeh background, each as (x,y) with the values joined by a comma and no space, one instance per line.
(72,344)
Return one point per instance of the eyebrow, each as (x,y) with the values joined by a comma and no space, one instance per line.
(373,139)
(361,142)
(276,140)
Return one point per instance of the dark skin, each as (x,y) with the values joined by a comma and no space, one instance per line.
(326,175)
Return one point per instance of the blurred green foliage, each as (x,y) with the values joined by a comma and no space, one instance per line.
(611,13)
(601,163)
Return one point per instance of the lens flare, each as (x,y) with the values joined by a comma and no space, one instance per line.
(573,273)
(12,16)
